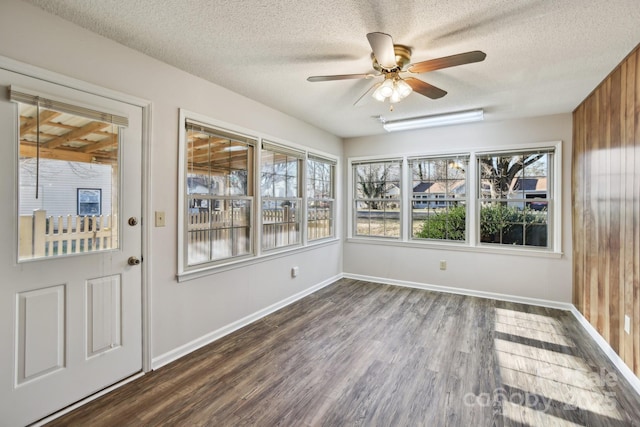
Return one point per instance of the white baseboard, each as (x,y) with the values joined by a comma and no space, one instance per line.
(608,350)
(628,374)
(187,348)
(463,291)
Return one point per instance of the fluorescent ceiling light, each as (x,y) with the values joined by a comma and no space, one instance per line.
(234,148)
(435,120)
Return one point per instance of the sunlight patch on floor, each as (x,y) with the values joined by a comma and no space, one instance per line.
(523,415)
(539,383)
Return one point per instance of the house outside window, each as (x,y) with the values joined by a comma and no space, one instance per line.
(377,198)
(515,198)
(219,194)
(320,198)
(438,205)
(280,175)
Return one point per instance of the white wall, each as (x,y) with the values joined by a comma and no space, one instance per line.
(523,276)
(187,311)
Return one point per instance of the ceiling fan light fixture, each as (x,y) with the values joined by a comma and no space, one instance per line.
(394,88)
(377,95)
(386,88)
(395,97)
(402,88)
(457,117)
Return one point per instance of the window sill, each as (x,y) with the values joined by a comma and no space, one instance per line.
(462,247)
(241,263)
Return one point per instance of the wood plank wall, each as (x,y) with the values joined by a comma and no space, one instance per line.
(606,208)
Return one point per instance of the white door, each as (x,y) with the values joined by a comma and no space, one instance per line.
(70,302)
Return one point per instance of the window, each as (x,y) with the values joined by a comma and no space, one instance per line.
(63,148)
(242,197)
(438,204)
(377,198)
(502,200)
(515,198)
(280,191)
(89,201)
(320,198)
(219,194)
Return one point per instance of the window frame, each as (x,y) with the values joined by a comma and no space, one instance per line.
(550,198)
(185,197)
(185,272)
(464,200)
(332,164)
(353,203)
(93,113)
(473,210)
(300,156)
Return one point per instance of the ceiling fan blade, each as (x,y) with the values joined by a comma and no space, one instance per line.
(340,77)
(424,88)
(447,61)
(359,102)
(383,50)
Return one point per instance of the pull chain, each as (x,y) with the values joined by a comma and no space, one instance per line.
(37,146)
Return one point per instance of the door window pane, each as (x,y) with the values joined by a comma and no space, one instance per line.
(68,183)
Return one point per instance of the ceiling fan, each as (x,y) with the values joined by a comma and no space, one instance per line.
(391,60)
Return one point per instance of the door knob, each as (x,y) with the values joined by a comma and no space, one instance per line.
(133,221)
(133,261)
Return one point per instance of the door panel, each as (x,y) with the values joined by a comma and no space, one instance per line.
(40,327)
(103,314)
(70,321)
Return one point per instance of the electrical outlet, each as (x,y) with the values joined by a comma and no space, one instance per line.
(443,265)
(294,272)
(627,324)
(160,222)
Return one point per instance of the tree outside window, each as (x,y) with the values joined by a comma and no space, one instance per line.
(281,201)
(377,198)
(320,198)
(515,198)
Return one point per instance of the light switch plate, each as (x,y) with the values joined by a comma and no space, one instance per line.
(160,222)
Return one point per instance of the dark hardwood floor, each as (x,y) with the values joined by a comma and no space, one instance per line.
(363,354)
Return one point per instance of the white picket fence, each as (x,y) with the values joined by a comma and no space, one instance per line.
(279,227)
(42,236)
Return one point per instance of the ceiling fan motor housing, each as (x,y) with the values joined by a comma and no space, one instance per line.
(403,58)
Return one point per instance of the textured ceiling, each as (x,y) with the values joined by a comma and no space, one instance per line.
(543,56)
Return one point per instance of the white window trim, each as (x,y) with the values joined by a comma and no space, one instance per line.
(259,255)
(351,196)
(334,164)
(267,145)
(472,244)
(409,177)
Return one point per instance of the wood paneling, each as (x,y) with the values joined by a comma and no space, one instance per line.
(606,208)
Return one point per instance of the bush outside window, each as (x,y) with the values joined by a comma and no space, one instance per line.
(438,204)
(515,198)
